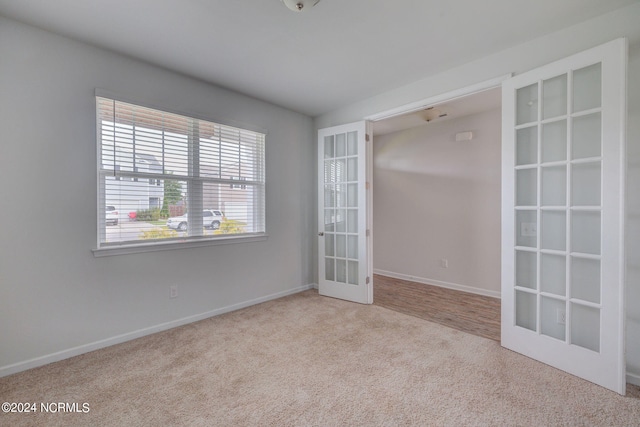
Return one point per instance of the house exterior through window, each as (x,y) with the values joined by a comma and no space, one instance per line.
(159,169)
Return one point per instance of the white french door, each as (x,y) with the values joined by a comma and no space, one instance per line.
(563,214)
(344,247)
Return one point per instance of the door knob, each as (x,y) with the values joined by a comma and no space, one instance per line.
(321,233)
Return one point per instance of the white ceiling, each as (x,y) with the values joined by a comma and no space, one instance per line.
(337,53)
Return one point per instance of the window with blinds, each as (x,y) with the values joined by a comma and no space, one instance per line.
(164,176)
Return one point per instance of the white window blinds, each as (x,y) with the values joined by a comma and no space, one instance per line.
(165,176)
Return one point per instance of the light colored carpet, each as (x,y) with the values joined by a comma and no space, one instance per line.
(307,360)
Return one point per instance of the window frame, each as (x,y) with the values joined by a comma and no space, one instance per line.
(190,241)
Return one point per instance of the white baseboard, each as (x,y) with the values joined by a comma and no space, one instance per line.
(454,286)
(76,351)
(86,348)
(633,379)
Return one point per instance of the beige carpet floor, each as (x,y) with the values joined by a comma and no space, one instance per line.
(307,360)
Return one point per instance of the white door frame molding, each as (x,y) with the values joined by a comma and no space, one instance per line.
(439,99)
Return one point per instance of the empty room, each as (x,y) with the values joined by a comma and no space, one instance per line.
(198,197)
(436,212)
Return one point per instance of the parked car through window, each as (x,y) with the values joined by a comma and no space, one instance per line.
(210,219)
(111,215)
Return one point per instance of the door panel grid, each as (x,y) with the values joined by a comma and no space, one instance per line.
(341,208)
(558,182)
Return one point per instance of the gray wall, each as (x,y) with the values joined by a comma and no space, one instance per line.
(620,23)
(440,199)
(56,298)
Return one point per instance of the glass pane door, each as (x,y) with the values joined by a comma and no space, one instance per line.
(562,238)
(341,208)
(343,251)
(558,184)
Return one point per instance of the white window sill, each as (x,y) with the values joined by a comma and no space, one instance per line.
(175,244)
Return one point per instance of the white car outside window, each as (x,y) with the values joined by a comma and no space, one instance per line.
(210,219)
(111,215)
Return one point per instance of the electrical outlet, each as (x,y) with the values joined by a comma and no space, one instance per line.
(444,263)
(561,316)
(173,291)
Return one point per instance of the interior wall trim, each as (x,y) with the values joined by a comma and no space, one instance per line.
(633,379)
(438,99)
(440,283)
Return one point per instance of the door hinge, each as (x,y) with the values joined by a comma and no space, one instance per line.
(368,233)
(366,137)
(367,185)
(368,280)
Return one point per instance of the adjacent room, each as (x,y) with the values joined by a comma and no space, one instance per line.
(436,209)
(199,197)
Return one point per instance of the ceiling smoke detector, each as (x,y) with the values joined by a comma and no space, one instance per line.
(300,5)
(433,113)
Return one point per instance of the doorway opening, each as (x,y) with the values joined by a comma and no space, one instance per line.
(436,212)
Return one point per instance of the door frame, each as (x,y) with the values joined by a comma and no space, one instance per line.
(439,99)
(412,107)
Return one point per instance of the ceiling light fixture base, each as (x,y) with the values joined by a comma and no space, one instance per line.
(300,5)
